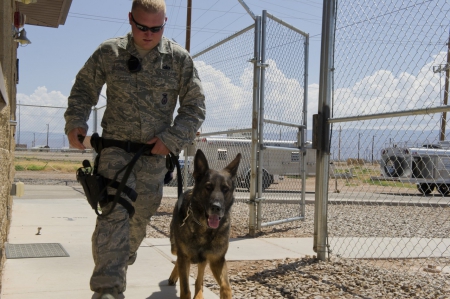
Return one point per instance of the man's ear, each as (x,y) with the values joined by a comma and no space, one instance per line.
(129,18)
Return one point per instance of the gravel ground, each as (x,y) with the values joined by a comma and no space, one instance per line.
(336,278)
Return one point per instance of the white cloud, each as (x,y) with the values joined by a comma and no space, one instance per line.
(229,102)
(42,97)
(34,117)
(228,105)
(384,92)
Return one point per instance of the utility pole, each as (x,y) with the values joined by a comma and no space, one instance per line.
(47,136)
(373,142)
(339,146)
(444,68)
(18,135)
(359,138)
(188,25)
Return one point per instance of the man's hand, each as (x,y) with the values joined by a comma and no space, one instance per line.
(160,148)
(74,138)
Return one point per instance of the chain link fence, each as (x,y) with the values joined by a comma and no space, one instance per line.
(256,105)
(389,155)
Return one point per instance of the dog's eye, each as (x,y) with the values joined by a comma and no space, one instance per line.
(209,187)
(225,189)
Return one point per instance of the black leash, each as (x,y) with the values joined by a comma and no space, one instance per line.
(175,162)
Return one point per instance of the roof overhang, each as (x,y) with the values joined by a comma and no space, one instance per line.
(46,13)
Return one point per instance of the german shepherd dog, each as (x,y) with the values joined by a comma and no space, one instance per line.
(200,227)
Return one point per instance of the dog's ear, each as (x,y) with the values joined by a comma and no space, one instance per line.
(233,166)
(200,165)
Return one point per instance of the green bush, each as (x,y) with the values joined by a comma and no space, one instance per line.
(19,168)
(33,167)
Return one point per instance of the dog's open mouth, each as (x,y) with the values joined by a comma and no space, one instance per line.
(213,221)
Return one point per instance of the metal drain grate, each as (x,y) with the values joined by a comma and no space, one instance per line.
(20,251)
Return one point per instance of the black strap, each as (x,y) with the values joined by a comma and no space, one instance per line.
(128,206)
(128,167)
(179,178)
(99,143)
(127,190)
(128,146)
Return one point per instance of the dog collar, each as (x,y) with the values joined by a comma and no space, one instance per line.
(189,213)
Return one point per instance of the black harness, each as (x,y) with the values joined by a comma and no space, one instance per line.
(95,185)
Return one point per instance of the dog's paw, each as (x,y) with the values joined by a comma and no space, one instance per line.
(172,280)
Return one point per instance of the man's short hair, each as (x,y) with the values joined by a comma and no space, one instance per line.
(151,6)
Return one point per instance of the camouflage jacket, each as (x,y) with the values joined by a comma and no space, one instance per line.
(140,105)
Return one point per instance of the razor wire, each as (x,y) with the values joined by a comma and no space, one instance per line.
(390,173)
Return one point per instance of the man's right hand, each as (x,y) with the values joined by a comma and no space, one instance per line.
(74,136)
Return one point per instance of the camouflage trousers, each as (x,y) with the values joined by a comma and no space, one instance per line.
(116,237)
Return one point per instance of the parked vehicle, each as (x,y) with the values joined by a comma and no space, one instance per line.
(427,166)
(280,159)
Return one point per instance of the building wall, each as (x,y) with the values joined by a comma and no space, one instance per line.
(8,55)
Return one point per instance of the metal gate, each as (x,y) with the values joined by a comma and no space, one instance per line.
(255,84)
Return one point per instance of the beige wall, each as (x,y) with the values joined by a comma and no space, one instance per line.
(8,55)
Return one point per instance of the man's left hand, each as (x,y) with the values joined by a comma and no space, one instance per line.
(160,148)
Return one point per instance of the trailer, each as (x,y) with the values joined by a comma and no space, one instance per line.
(279,159)
(428,166)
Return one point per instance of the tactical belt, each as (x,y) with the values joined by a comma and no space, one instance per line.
(95,185)
(100,143)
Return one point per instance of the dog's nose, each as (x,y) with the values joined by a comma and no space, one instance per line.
(216,207)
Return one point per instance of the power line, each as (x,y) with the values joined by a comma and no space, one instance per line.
(292,9)
(178,11)
(219,17)
(174,27)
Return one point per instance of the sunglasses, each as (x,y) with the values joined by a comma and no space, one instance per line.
(134,65)
(145,28)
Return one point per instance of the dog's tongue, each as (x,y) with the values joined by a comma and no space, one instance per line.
(213,221)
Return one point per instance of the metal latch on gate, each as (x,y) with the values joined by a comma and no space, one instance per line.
(258,64)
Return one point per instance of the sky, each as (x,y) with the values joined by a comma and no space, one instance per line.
(382,64)
(56,54)
(48,66)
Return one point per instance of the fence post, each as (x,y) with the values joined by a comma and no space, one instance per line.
(305,124)
(254,145)
(261,116)
(322,130)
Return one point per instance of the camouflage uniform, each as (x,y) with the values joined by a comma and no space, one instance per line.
(139,106)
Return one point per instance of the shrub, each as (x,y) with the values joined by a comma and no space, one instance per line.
(19,168)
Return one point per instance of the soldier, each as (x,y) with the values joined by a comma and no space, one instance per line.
(145,73)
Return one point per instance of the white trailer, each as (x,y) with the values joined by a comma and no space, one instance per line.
(427,166)
(281,158)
